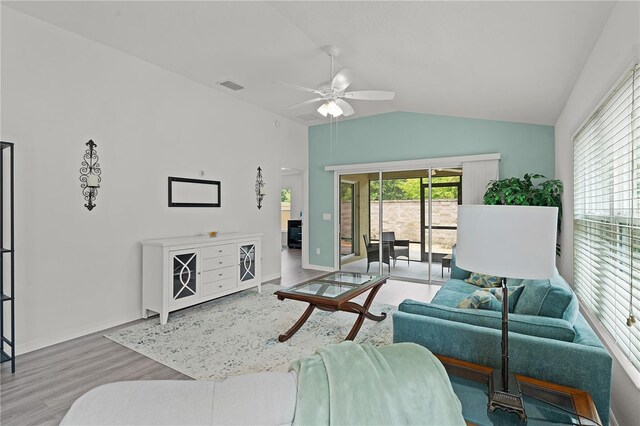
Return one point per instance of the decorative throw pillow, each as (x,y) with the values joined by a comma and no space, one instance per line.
(480,300)
(482,280)
(514,295)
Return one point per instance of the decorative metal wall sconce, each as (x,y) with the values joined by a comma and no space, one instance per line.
(90,175)
(259,188)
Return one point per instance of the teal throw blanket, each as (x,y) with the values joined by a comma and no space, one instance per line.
(351,384)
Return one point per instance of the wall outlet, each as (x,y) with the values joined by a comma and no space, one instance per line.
(317,250)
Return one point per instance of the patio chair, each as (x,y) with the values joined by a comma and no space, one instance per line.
(397,248)
(373,253)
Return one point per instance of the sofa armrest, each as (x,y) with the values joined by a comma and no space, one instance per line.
(551,328)
(566,363)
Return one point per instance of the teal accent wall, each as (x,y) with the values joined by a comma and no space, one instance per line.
(408,136)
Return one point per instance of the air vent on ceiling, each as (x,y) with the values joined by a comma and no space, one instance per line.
(307,117)
(231,85)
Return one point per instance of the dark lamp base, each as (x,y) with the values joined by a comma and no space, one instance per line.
(510,400)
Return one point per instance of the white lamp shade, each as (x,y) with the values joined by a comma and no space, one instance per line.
(507,241)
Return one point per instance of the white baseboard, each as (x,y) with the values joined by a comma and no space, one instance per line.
(270,277)
(43,343)
(321,268)
(612,419)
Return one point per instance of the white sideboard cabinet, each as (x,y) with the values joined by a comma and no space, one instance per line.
(181,272)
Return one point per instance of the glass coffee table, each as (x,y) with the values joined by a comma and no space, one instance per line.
(334,292)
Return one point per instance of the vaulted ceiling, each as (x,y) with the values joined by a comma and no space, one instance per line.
(512,61)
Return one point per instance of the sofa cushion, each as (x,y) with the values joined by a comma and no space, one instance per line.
(454,291)
(532,297)
(460,286)
(483,280)
(551,328)
(561,301)
(514,282)
(514,295)
(458,273)
(480,299)
(549,298)
(450,298)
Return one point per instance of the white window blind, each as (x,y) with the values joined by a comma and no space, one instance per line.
(607,214)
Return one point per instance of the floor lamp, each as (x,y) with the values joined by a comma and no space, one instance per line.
(507,242)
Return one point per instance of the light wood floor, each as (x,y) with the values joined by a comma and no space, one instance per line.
(47,381)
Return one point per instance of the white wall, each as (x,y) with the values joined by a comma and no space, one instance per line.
(79,271)
(611,56)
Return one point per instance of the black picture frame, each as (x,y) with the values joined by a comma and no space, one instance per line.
(177,193)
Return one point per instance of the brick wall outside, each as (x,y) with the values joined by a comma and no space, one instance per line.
(403,218)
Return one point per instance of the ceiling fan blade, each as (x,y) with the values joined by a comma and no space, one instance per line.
(343,79)
(371,95)
(347,109)
(310,101)
(296,87)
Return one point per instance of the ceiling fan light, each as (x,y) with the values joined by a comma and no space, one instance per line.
(334,109)
(324,109)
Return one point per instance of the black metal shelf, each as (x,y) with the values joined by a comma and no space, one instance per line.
(7,263)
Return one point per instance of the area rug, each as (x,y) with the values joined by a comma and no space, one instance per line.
(238,334)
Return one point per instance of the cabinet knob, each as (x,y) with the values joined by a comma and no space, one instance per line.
(219,263)
(219,275)
(220,286)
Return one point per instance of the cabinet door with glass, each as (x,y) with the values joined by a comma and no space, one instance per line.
(185,276)
(249,253)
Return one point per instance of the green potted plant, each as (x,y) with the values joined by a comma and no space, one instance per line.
(524,192)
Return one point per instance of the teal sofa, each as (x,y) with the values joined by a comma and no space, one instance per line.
(549,339)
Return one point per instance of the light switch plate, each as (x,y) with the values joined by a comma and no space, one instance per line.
(326,216)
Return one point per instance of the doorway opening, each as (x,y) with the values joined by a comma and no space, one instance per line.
(285,214)
(291,204)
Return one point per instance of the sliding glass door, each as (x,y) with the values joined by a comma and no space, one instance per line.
(441,196)
(401,236)
(399,223)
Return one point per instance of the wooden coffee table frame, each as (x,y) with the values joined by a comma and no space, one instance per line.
(341,302)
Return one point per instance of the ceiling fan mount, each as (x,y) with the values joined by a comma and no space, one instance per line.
(333,92)
(332,50)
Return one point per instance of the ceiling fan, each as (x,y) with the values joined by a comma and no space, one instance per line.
(332,93)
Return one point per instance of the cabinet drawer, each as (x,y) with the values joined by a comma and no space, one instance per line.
(218,274)
(218,286)
(217,251)
(218,262)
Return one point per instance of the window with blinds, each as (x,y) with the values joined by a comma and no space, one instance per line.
(607,214)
